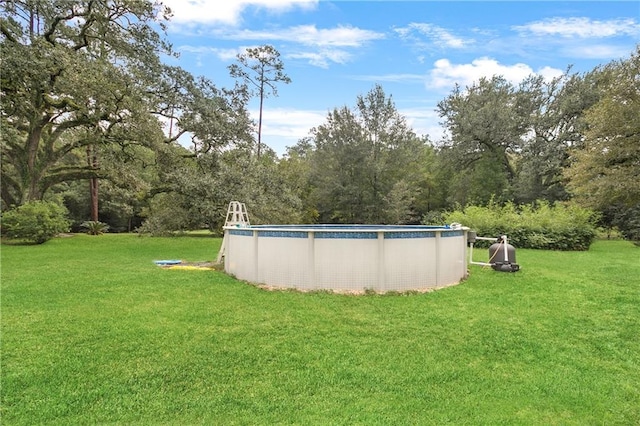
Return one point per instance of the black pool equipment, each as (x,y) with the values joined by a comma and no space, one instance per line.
(502,255)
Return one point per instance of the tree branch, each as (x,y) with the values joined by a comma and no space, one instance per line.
(5,31)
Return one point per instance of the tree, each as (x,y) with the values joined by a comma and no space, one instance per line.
(511,143)
(359,158)
(260,68)
(84,95)
(480,182)
(202,188)
(295,169)
(555,127)
(486,123)
(398,204)
(605,169)
(132,172)
(71,70)
(211,118)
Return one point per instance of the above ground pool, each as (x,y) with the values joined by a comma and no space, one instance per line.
(347,258)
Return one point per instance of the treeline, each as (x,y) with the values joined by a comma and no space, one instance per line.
(97,123)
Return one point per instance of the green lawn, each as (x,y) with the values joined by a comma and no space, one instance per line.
(94,333)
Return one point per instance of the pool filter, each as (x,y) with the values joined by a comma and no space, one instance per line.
(502,255)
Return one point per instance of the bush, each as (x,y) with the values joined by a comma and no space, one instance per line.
(35,221)
(538,226)
(95,227)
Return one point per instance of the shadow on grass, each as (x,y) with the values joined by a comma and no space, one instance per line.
(9,242)
(181,234)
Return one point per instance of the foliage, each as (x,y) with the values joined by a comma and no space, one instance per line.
(629,223)
(295,170)
(132,172)
(434,218)
(95,227)
(606,169)
(70,81)
(481,181)
(555,343)
(196,193)
(35,221)
(623,218)
(537,226)
(510,142)
(83,94)
(166,217)
(554,127)
(359,156)
(486,122)
(398,204)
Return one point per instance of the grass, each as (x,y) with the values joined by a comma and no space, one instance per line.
(94,333)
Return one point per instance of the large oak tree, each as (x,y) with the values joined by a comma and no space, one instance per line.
(605,169)
(70,71)
(85,77)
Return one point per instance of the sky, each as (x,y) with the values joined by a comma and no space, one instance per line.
(335,51)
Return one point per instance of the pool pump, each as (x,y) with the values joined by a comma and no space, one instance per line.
(502,255)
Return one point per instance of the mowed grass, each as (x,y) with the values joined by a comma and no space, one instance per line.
(94,333)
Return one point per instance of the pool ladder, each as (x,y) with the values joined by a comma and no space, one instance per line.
(236,216)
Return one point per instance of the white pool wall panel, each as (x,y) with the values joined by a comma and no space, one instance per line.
(347,258)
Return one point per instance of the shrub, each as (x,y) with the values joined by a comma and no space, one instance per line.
(95,227)
(538,226)
(35,221)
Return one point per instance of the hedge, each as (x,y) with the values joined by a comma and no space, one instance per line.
(563,226)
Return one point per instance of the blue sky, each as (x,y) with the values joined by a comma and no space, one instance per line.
(417,51)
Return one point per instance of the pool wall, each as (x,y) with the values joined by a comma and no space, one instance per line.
(350,258)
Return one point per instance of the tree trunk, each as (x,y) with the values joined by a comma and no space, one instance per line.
(93,188)
(260,117)
(31,179)
(92,161)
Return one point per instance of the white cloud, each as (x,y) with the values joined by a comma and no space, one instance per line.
(327,45)
(226,11)
(309,35)
(445,75)
(323,57)
(342,36)
(549,73)
(580,27)
(282,127)
(438,36)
